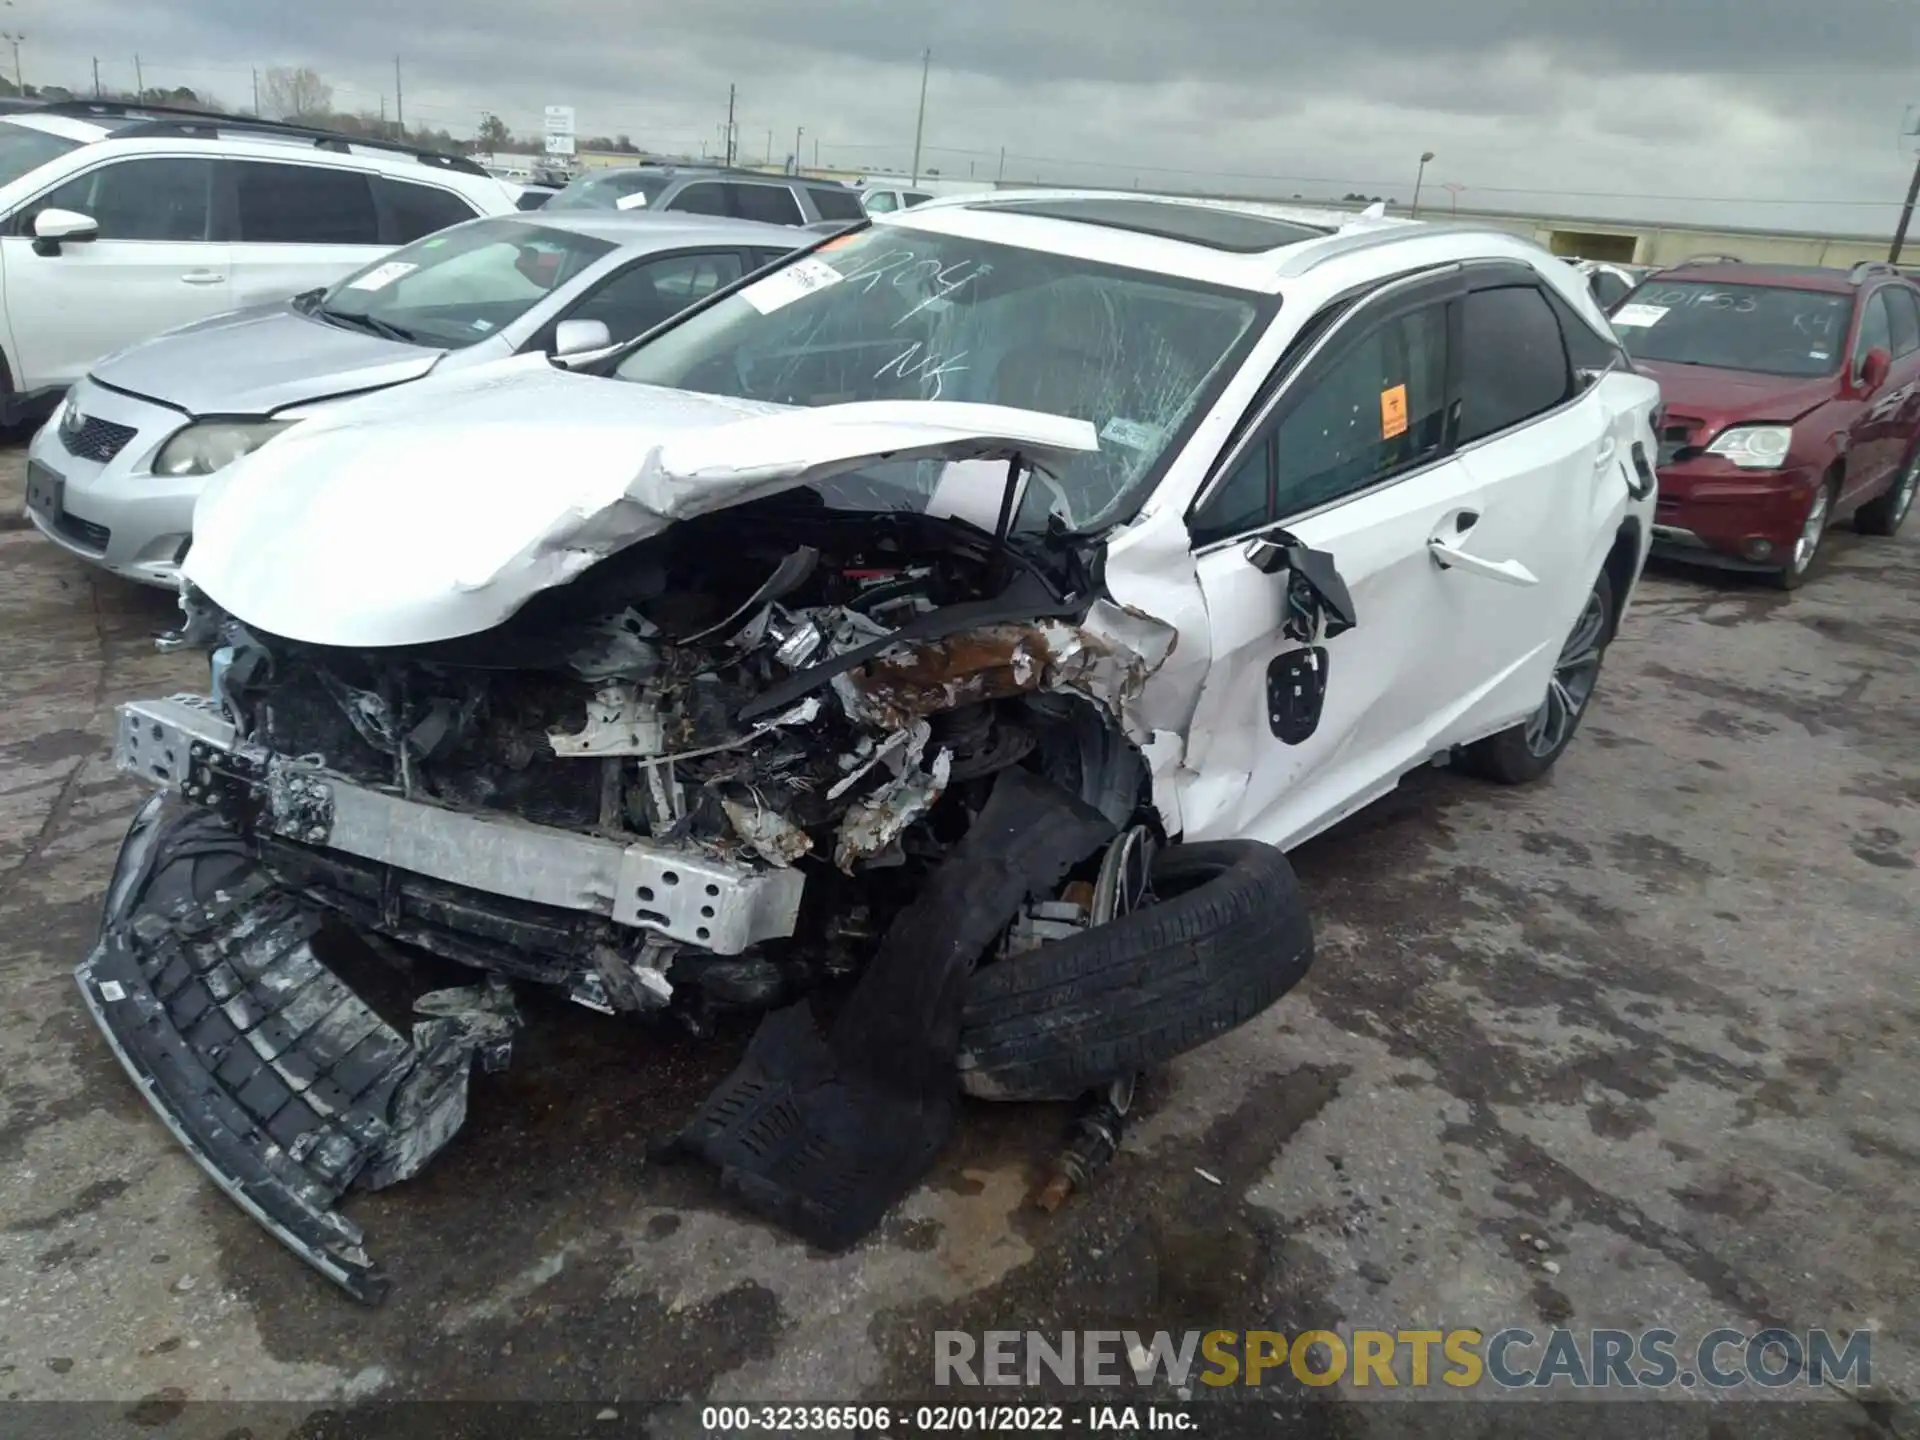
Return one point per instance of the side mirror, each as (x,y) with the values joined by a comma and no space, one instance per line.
(50,227)
(577,337)
(1874,370)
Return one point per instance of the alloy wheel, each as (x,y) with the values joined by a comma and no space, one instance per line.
(1808,542)
(1574,676)
(1903,497)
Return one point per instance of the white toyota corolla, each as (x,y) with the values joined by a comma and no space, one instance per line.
(966,616)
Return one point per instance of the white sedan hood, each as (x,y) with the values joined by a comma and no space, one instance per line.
(438,510)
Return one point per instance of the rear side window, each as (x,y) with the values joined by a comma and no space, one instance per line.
(1377,408)
(773,204)
(143,199)
(1586,348)
(1903,315)
(303,205)
(1513,363)
(882,202)
(834,203)
(916,198)
(416,210)
(705,197)
(1608,289)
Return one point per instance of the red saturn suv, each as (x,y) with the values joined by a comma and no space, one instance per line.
(1791,400)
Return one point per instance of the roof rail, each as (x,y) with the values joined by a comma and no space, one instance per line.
(180,120)
(1313,253)
(1708,259)
(1863,268)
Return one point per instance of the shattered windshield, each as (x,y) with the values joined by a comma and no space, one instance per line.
(458,287)
(900,314)
(1764,328)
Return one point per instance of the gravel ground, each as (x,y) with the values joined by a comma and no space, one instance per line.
(1633,1046)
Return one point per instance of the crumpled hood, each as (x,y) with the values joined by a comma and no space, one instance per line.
(254,362)
(1726,397)
(438,510)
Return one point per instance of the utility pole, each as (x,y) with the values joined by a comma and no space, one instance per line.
(798,131)
(399,107)
(1002,175)
(816,139)
(920,125)
(96,77)
(730,91)
(19,80)
(256,90)
(1900,230)
(139,81)
(769,147)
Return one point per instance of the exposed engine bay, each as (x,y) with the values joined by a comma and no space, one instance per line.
(769,755)
(775,688)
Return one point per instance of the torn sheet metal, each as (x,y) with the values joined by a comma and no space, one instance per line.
(1109,659)
(874,824)
(478,490)
(621,720)
(771,835)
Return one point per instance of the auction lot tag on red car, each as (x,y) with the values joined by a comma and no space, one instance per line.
(1636,317)
(1393,412)
(777,291)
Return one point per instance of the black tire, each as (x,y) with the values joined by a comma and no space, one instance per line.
(1511,757)
(1882,514)
(1227,937)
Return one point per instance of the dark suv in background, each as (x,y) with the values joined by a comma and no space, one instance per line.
(1791,400)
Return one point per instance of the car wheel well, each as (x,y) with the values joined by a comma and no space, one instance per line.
(1620,565)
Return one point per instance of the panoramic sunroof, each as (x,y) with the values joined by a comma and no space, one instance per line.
(1217,229)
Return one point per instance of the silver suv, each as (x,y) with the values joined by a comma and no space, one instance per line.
(700,190)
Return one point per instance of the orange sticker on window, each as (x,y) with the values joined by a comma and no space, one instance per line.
(839,242)
(1393,412)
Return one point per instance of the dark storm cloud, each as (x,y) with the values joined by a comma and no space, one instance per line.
(1771,98)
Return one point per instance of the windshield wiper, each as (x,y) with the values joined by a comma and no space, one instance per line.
(384,328)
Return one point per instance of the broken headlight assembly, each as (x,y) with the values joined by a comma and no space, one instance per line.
(211,445)
(1754,447)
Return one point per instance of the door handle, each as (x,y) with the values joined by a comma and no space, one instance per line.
(1507,572)
(203,277)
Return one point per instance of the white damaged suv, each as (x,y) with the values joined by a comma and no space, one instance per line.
(960,620)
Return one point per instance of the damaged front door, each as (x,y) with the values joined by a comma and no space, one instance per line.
(1351,462)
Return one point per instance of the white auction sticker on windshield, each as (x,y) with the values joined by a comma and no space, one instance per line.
(1636,317)
(382,276)
(634,201)
(1134,434)
(801,278)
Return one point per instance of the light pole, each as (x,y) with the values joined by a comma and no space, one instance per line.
(920,125)
(1910,127)
(798,131)
(1425,156)
(19,85)
(1453,189)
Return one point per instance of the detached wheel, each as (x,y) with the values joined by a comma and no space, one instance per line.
(1197,939)
(1806,545)
(1883,514)
(1527,751)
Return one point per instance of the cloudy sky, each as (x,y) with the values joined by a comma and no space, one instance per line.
(1761,112)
